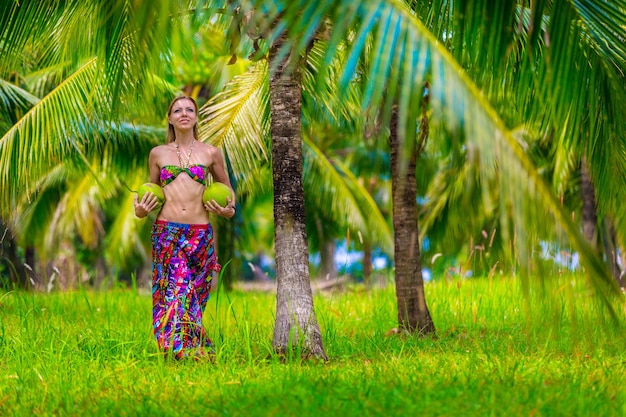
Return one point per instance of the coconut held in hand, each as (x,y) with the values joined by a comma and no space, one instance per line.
(154,189)
(218,192)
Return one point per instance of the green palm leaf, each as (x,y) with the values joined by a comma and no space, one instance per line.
(13,97)
(237,121)
(123,238)
(41,139)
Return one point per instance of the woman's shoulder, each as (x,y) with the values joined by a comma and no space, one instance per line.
(205,146)
(207,149)
(158,155)
(160,149)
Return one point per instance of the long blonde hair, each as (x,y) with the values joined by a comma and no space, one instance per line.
(171,134)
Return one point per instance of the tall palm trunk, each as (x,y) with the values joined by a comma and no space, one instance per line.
(590,218)
(601,239)
(413,314)
(609,244)
(10,261)
(296,324)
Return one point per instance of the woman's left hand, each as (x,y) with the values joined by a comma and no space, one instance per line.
(227,211)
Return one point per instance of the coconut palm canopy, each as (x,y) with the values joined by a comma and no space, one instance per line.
(75,73)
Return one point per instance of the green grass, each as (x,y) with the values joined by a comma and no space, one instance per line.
(496,354)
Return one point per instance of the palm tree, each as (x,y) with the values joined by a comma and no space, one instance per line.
(62,146)
(235,111)
(295,316)
(413,313)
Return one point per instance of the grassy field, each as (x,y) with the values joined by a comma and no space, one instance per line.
(496,354)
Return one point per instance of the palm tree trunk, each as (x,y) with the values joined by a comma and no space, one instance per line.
(609,244)
(10,261)
(603,239)
(327,269)
(413,314)
(296,324)
(590,219)
(64,268)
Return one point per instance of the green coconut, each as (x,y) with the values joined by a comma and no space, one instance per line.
(154,189)
(218,192)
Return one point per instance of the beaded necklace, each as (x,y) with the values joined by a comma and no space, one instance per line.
(180,159)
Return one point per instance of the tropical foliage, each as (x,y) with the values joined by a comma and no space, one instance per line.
(545,70)
(70,157)
(82,79)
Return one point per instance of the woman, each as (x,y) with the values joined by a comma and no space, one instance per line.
(183,254)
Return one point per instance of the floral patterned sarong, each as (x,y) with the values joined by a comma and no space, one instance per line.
(183,257)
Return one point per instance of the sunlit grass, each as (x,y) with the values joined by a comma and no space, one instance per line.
(87,353)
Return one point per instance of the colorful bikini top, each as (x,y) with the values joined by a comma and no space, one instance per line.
(169,173)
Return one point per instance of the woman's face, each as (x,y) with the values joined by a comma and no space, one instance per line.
(183,114)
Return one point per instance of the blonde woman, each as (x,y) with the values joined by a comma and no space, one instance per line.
(183,253)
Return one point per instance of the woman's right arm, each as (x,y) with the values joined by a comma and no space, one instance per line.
(149,201)
(155,169)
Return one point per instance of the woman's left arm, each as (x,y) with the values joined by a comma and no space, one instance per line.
(218,171)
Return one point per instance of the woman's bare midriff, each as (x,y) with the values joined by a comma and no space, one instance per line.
(183,202)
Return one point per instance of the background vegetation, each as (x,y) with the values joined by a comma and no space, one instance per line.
(92,353)
(513,138)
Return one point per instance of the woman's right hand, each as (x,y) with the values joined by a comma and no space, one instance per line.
(148,203)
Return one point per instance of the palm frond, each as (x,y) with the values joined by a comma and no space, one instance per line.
(123,235)
(13,98)
(49,133)
(605,23)
(322,107)
(333,189)
(237,120)
(580,93)
(20,23)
